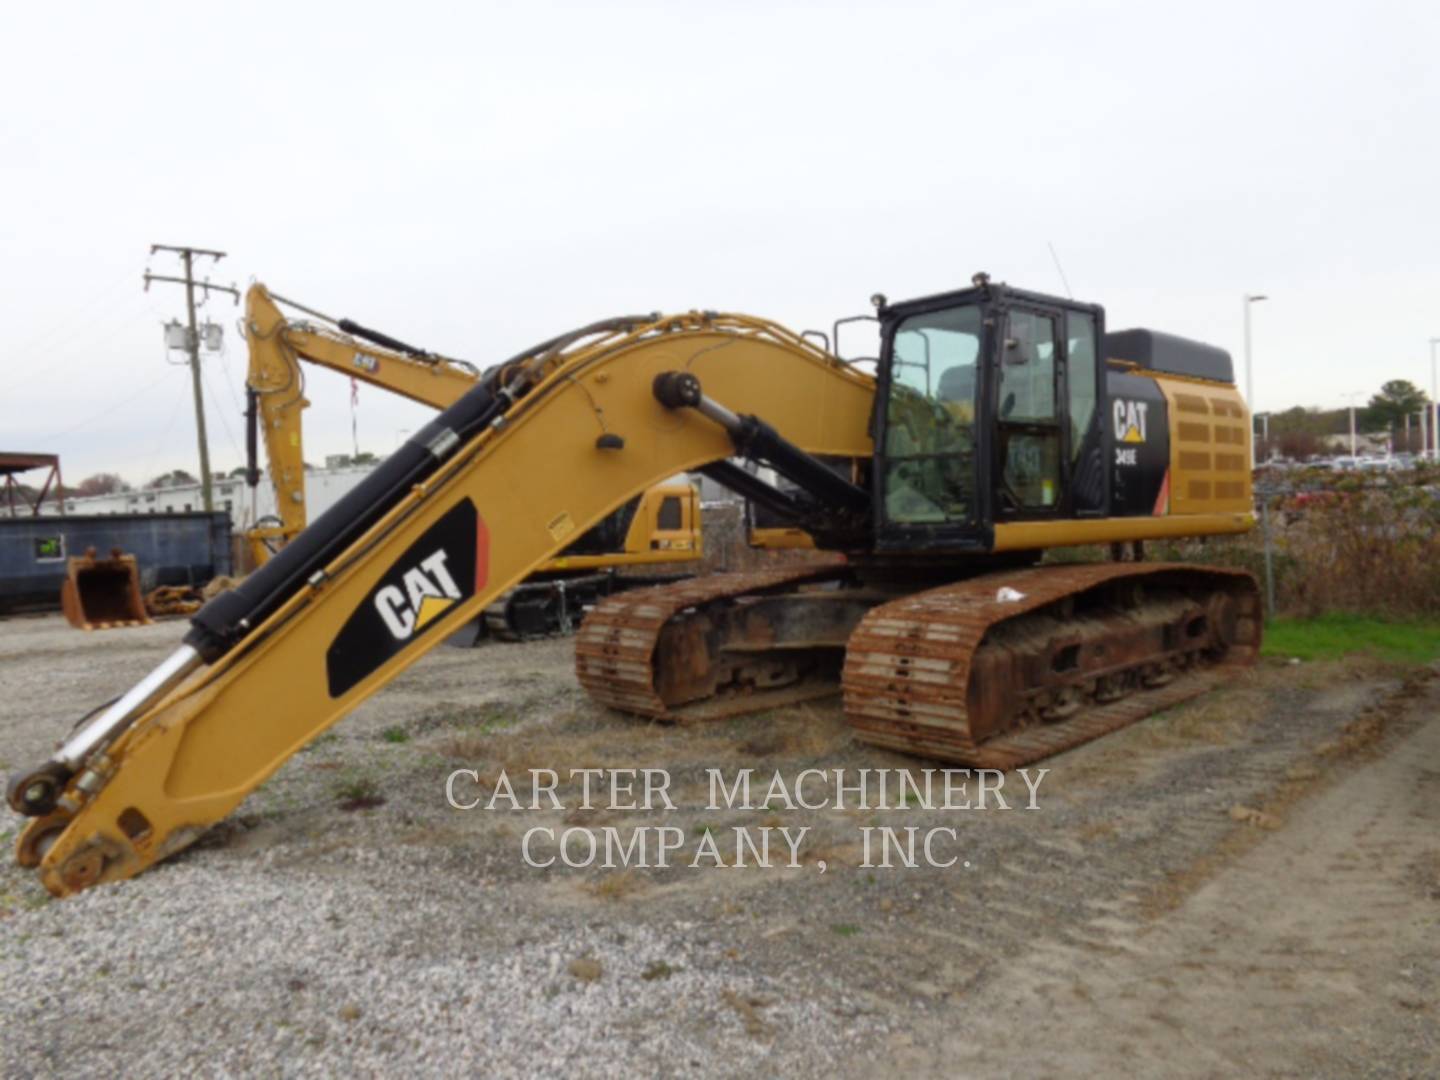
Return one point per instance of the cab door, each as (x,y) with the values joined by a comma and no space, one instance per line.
(1030,410)
(933,362)
(1049,439)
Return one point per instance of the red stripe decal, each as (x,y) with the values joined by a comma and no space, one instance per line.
(1162,501)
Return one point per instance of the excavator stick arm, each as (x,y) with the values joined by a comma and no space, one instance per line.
(332,619)
(278,344)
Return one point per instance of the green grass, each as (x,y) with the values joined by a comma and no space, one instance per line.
(1332,636)
(395,734)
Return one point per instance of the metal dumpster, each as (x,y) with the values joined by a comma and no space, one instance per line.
(170,548)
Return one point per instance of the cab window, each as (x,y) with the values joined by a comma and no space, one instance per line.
(671,516)
(1028,425)
(930,417)
(1080,376)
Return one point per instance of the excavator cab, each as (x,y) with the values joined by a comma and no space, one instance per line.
(986,413)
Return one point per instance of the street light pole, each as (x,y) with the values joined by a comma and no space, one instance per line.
(1250,368)
(1260,431)
(1354,450)
(1435,397)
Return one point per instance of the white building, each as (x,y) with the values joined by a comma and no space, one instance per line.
(323,488)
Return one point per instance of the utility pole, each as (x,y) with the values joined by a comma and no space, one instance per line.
(192,345)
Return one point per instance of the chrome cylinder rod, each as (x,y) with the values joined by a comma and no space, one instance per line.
(147,692)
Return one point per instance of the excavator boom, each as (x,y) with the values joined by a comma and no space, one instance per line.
(495,485)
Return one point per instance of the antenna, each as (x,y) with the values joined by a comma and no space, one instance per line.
(1060,270)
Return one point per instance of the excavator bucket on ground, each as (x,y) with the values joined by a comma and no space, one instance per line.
(99,594)
(173,601)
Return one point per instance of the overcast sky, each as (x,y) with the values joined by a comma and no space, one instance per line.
(476,177)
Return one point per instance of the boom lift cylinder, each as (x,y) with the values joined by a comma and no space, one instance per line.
(760,442)
(220,624)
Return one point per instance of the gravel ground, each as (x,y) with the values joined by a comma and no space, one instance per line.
(348,919)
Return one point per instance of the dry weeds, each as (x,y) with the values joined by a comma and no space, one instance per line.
(748,1007)
(586,969)
(616,886)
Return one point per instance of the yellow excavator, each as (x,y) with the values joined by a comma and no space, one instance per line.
(998,423)
(659,527)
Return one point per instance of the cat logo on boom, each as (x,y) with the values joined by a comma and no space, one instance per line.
(444,568)
(1130,417)
(428,592)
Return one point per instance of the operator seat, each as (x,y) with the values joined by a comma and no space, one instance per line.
(956,392)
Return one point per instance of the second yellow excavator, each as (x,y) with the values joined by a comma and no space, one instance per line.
(658,528)
(998,423)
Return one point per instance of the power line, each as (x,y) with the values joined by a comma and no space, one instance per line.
(225,423)
(103,299)
(229,379)
(164,433)
(107,333)
(112,407)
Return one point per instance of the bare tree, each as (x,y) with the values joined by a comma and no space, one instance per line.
(104,483)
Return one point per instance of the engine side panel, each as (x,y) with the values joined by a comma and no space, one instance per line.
(1140,461)
(1209,448)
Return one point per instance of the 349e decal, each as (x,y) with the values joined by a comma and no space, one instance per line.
(444,567)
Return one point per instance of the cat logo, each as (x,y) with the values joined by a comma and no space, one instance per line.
(443,568)
(429,591)
(1130,419)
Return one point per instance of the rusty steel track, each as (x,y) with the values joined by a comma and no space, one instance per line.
(965,674)
(619,657)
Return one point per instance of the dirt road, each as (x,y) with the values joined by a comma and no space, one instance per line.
(1249,884)
(1314,953)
